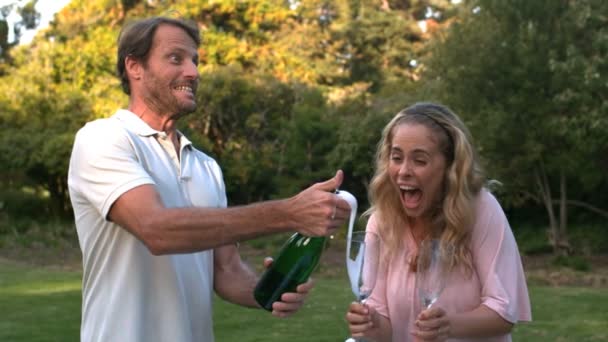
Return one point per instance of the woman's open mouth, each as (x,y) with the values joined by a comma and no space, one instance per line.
(410,196)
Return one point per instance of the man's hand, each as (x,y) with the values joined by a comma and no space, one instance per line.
(290,302)
(317,210)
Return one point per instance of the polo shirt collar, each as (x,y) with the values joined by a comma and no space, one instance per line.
(135,123)
(140,127)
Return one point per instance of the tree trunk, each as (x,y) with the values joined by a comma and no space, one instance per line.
(545,195)
(563,243)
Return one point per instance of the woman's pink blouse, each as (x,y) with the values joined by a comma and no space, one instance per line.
(498,280)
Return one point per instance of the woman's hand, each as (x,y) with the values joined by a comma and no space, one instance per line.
(360,319)
(432,325)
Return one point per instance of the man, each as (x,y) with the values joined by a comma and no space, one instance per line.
(150,211)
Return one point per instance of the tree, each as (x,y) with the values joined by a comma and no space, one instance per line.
(39,118)
(526,76)
(30,19)
(282,82)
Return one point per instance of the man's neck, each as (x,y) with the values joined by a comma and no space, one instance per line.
(163,122)
(160,122)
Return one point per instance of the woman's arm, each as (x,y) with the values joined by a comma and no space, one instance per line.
(481,322)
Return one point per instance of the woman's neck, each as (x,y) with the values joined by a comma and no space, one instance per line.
(420,228)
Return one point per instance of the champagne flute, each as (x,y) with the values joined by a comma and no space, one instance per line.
(362,260)
(434,260)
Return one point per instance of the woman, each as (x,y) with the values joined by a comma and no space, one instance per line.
(428,184)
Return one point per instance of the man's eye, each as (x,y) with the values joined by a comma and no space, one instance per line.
(175,58)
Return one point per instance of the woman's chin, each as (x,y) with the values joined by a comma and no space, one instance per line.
(412,211)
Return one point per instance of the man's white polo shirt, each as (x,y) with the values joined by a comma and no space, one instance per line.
(128,293)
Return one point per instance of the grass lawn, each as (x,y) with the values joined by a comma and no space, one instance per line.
(38,304)
(43,304)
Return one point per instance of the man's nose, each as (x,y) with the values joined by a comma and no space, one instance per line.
(191,71)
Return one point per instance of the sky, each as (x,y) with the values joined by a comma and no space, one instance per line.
(46,8)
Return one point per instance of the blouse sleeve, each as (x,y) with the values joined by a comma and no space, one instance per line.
(377,299)
(498,263)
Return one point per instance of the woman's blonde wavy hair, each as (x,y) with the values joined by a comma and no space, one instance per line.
(464,178)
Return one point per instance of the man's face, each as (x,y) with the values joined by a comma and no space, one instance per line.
(170,76)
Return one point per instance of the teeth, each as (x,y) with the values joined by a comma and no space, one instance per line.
(407,188)
(183,88)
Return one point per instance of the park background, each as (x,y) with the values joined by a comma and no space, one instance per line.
(292,90)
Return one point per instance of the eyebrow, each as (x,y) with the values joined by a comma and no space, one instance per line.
(415,151)
(180,50)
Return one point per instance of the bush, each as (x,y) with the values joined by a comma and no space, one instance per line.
(589,239)
(36,233)
(576,263)
(585,238)
(22,204)
(531,239)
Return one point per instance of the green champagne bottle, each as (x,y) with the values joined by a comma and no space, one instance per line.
(297,259)
(295,262)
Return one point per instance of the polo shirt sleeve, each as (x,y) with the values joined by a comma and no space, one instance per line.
(104,164)
(498,263)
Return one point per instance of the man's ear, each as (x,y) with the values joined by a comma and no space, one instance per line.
(133,67)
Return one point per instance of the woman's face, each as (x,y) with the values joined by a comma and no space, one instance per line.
(416,168)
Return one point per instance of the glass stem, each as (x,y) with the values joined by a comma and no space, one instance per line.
(362,300)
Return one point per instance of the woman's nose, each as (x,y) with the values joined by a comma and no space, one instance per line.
(405,169)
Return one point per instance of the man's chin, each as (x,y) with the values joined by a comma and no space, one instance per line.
(185,110)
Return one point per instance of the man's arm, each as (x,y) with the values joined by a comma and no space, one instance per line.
(315,211)
(233,280)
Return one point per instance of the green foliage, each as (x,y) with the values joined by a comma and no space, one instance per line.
(531,240)
(577,263)
(16,203)
(291,91)
(525,75)
(40,117)
(307,139)
(586,239)
(51,238)
(381,44)
(590,238)
(511,70)
(268,70)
